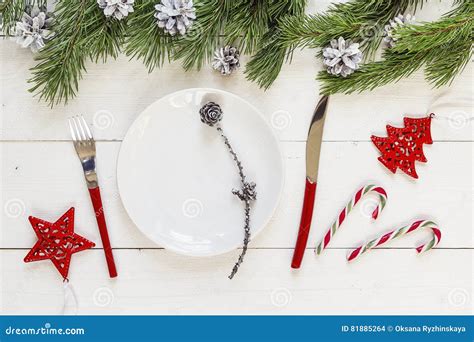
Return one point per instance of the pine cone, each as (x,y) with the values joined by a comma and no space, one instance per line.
(393,24)
(211,113)
(118,9)
(34,29)
(247,193)
(226,60)
(175,15)
(342,57)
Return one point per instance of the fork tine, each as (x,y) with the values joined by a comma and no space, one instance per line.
(83,133)
(72,131)
(88,131)
(76,126)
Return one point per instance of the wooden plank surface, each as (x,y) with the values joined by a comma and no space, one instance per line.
(159,282)
(442,193)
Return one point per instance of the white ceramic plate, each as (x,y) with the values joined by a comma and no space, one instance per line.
(175,175)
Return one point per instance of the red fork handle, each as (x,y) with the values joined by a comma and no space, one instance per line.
(305,223)
(104,235)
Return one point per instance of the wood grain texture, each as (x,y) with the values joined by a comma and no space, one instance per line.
(40,175)
(160,282)
(443,193)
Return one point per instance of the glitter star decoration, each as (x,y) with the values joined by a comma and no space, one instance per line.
(57,241)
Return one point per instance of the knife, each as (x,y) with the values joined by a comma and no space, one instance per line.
(313,149)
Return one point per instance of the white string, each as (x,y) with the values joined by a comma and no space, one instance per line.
(70,299)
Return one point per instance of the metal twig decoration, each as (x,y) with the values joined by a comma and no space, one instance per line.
(211,114)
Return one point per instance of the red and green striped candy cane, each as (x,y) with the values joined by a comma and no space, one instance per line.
(382,194)
(399,232)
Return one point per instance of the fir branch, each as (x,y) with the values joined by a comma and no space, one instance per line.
(249,21)
(441,71)
(82,31)
(11,11)
(444,46)
(262,69)
(247,24)
(198,46)
(359,20)
(145,40)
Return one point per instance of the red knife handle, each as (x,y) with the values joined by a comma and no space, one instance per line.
(104,235)
(305,223)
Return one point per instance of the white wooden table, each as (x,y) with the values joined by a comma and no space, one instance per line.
(41,176)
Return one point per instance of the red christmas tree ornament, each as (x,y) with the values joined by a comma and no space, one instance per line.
(404,146)
(57,241)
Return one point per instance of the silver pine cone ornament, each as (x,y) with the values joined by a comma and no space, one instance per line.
(389,29)
(175,16)
(211,113)
(342,57)
(226,59)
(117,9)
(34,29)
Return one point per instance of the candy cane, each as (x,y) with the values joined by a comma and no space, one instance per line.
(399,232)
(352,203)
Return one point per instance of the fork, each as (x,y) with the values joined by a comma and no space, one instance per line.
(84,144)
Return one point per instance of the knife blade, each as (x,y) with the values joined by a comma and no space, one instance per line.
(313,151)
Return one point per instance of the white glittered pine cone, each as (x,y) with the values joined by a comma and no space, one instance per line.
(226,60)
(118,9)
(390,28)
(342,57)
(34,29)
(175,16)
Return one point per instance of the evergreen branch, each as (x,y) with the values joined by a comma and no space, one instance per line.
(281,8)
(442,71)
(82,31)
(265,70)
(145,40)
(417,45)
(262,69)
(248,22)
(252,19)
(11,11)
(198,47)
(375,74)
(434,34)
(359,20)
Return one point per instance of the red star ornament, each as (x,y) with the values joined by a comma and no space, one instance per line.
(57,241)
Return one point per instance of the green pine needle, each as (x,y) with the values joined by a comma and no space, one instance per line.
(82,32)
(145,40)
